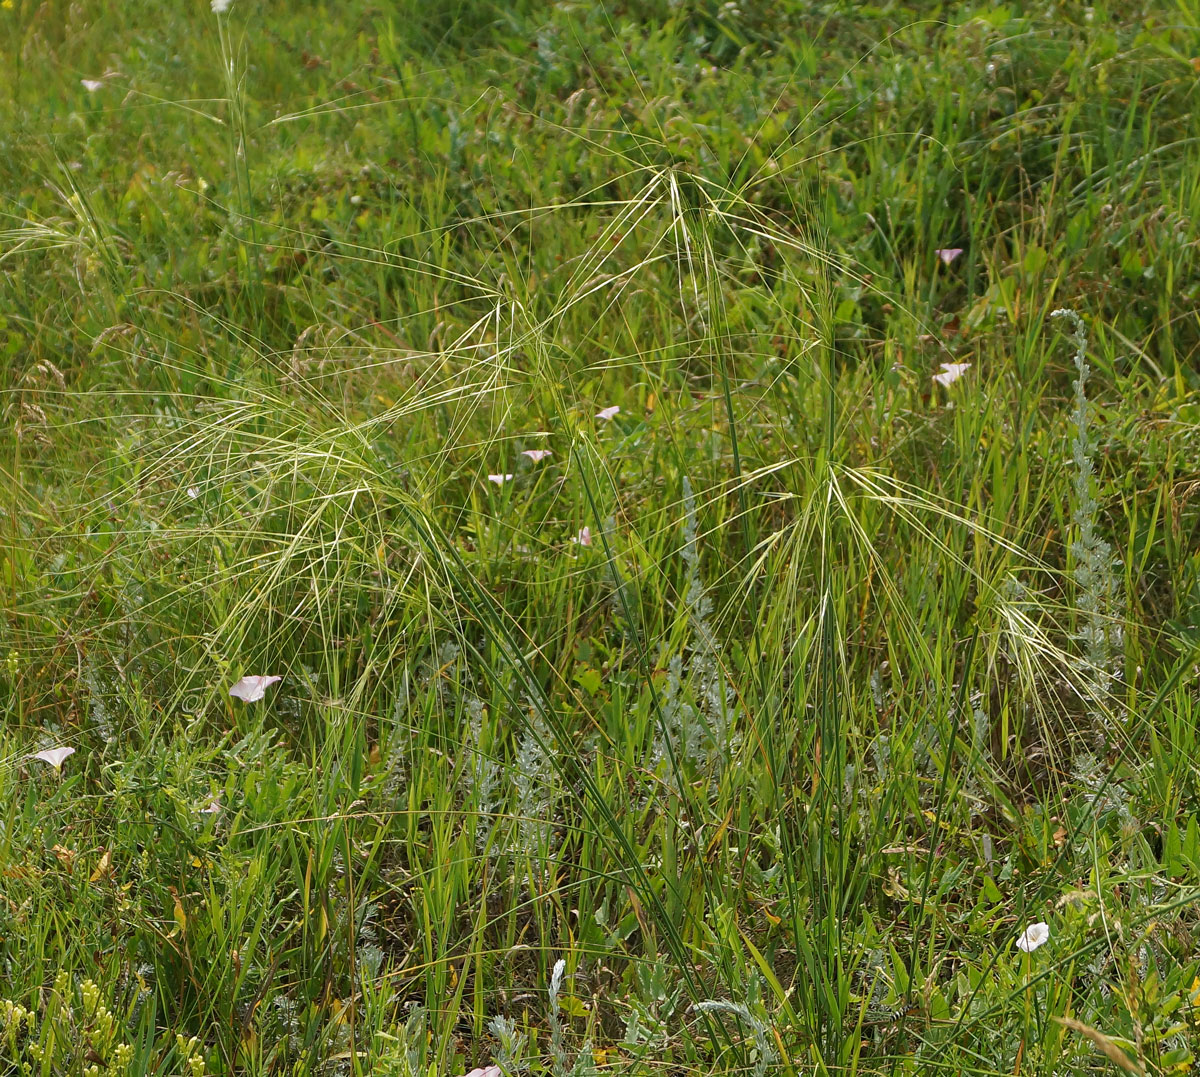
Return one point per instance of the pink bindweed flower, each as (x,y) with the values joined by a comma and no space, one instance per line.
(948,254)
(499,480)
(212,807)
(485,1071)
(56,757)
(608,413)
(950,373)
(536,455)
(252,689)
(1033,937)
(584,537)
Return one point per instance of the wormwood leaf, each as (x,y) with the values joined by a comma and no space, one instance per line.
(1103,1044)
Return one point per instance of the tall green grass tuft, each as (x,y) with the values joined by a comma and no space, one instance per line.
(712,620)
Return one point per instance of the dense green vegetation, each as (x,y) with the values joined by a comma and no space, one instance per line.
(746,727)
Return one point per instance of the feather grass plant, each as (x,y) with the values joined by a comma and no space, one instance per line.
(778,763)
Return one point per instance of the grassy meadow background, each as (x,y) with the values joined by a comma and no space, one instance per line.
(745,728)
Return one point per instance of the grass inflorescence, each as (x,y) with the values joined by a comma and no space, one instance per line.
(697,504)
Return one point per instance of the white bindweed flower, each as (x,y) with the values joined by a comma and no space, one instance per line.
(485,1071)
(608,413)
(948,254)
(221,6)
(1033,937)
(536,455)
(193,492)
(500,480)
(91,85)
(950,373)
(584,537)
(56,757)
(252,689)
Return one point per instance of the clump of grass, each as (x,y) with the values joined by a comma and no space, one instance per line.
(785,732)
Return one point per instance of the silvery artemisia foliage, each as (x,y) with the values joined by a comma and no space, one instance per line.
(510,1044)
(485,774)
(426,677)
(714,695)
(698,707)
(407,1048)
(1100,632)
(764,1053)
(1105,796)
(697,701)
(585,1063)
(535,781)
(524,821)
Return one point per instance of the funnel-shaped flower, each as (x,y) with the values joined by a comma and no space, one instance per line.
(252,689)
(1033,937)
(56,757)
(950,373)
